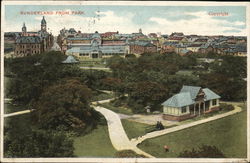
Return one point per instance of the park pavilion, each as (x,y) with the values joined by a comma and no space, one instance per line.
(190,102)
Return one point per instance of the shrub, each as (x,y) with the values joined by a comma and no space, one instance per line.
(205,151)
(226,107)
(128,154)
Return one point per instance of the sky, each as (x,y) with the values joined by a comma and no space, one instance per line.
(200,20)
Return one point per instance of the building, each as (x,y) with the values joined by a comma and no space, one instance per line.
(168,47)
(194,47)
(95,47)
(30,43)
(191,101)
(140,47)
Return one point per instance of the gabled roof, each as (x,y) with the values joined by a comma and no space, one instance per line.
(70,59)
(187,96)
(184,51)
(143,43)
(210,95)
(28,40)
(179,100)
(193,90)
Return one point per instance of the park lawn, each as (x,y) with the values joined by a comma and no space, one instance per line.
(134,129)
(97,62)
(185,72)
(118,109)
(94,144)
(229,134)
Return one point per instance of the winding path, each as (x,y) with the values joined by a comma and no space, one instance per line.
(237,109)
(117,135)
(17,113)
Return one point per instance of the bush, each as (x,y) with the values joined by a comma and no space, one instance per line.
(205,151)
(226,107)
(38,143)
(128,154)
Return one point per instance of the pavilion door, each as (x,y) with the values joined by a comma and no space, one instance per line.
(94,55)
(191,109)
(202,107)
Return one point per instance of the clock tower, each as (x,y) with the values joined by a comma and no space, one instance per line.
(43,25)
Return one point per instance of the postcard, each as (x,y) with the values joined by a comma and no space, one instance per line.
(124,81)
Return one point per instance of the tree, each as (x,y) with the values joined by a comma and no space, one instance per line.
(204,151)
(113,84)
(220,83)
(231,66)
(147,94)
(65,106)
(22,139)
(31,74)
(38,143)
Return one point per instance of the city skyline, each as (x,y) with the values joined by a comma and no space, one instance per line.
(200,20)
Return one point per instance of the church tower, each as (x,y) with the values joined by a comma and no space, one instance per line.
(43,25)
(24,30)
(140,30)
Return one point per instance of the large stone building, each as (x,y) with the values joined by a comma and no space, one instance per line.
(95,47)
(29,43)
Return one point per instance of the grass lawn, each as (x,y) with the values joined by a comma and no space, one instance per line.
(185,72)
(121,110)
(94,144)
(87,62)
(229,134)
(134,129)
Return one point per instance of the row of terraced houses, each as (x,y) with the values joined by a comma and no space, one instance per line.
(103,45)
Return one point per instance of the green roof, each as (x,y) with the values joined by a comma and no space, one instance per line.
(179,100)
(210,95)
(70,59)
(193,90)
(187,96)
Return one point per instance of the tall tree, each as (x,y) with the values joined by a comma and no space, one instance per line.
(65,106)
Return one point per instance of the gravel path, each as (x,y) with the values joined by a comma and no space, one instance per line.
(117,135)
(184,126)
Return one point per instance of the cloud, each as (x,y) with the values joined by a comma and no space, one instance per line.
(233,30)
(201,23)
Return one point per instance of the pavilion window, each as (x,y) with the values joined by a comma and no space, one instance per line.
(214,102)
(183,109)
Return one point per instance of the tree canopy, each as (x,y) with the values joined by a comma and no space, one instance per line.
(65,105)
